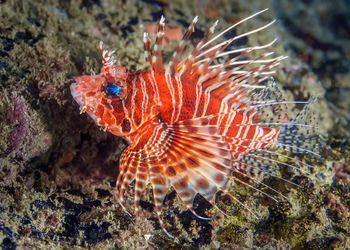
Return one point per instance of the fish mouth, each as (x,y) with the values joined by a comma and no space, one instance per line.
(84,86)
(78,90)
(77,94)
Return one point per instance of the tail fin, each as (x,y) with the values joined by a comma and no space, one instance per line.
(298,135)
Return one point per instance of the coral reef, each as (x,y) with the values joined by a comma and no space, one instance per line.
(58,170)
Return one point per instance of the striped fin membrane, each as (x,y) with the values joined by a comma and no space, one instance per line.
(195,163)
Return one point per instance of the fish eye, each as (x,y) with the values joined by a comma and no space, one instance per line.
(111,90)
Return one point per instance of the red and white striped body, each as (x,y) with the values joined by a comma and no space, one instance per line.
(187,123)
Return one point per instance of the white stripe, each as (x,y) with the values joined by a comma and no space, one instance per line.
(232,39)
(179,87)
(172,94)
(238,135)
(198,98)
(144,99)
(153,81)
(132,121)
(233,26)
(232,116)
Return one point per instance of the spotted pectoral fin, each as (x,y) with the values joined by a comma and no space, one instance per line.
(195,163)
(166,157)
(200,165)
(187,156)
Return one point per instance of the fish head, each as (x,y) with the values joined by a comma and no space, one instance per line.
(103,98)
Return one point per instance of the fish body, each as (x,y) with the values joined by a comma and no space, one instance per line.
(189,125)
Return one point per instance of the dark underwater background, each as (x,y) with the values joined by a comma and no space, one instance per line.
(58,169)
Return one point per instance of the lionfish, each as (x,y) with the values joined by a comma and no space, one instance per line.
(196,125)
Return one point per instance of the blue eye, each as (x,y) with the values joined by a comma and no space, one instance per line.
(112,89)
